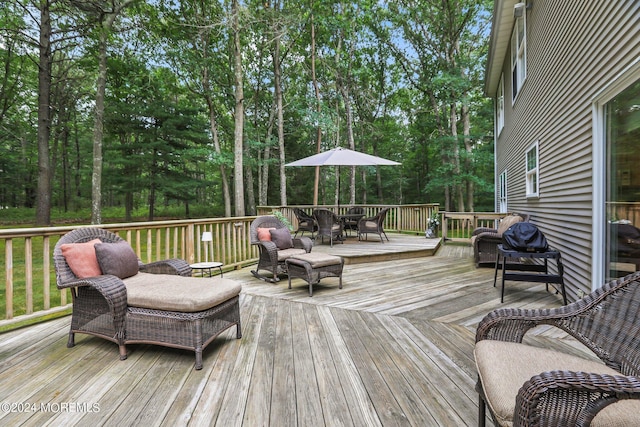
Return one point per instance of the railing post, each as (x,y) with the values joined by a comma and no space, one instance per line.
(445,226)
(189,243)
(8,266)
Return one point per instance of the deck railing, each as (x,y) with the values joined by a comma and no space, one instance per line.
(30,293)
(30,290)
(400,218)
(458,226)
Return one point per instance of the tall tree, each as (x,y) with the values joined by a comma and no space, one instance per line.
(105,15)
(434,63)
(194,46)
(43,204)
(316,91)
(238,113)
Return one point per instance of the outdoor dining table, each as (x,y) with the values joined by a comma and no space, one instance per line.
(350,217)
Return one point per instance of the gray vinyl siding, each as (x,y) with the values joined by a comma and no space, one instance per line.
(573,51)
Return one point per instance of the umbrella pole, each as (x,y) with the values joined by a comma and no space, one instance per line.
(315,186)
(338,190)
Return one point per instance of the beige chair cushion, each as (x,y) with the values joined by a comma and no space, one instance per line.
(507,222)
(503,367)
(286,253)
(316,260)
(178,293)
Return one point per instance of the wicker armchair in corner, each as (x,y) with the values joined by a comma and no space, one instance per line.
(274,251)
(526,385)
(485,240)
(118,298)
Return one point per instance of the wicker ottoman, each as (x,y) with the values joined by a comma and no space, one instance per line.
(313,267)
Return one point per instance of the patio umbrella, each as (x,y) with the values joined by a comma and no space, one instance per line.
(342,157)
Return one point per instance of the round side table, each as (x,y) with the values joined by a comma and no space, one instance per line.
(202,266)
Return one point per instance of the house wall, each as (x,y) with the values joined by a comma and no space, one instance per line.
(574,50)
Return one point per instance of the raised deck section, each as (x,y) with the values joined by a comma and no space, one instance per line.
(399,246)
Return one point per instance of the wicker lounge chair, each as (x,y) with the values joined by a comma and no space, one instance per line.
(329,225)
(305,223)
(275,244)
(374,225)
(156,303)
(485,240)
(524,385)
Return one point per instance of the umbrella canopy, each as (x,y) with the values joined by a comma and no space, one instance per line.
(342,157)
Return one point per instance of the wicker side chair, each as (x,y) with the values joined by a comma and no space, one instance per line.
(374,225)
(525,385)
(305,223)
(271,258)
(351,222)
(329,225)
(485,240)
(159,304)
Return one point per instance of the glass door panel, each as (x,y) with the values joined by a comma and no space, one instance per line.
(623,182)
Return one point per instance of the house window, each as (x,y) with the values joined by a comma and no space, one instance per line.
(500,106)
(531,162)
(518,55)
(502,192)
(622,124)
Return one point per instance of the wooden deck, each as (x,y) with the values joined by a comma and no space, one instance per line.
(392,348)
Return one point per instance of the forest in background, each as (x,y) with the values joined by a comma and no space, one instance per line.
(151,105)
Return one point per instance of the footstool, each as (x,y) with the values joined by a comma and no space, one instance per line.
(312,267)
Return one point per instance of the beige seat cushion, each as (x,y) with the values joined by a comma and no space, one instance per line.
(178,293)
(316,260)
(286,253)
(507,222)
(503,367)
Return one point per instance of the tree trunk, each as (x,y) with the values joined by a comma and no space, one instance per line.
(314,79)
(238,113)
(213,127)
(453,123)
(251,197)
(277,82)
(43,203)
(468,145)
(352,146)
(98,130)
(107,21)
(264,177)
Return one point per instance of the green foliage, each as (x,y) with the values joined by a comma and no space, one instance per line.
(170,96)
(283,219)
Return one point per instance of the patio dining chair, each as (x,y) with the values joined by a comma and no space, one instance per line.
(305,223)
(328,225)
(351,219)
(374,225)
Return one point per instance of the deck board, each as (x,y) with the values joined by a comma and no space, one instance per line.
(393,347)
